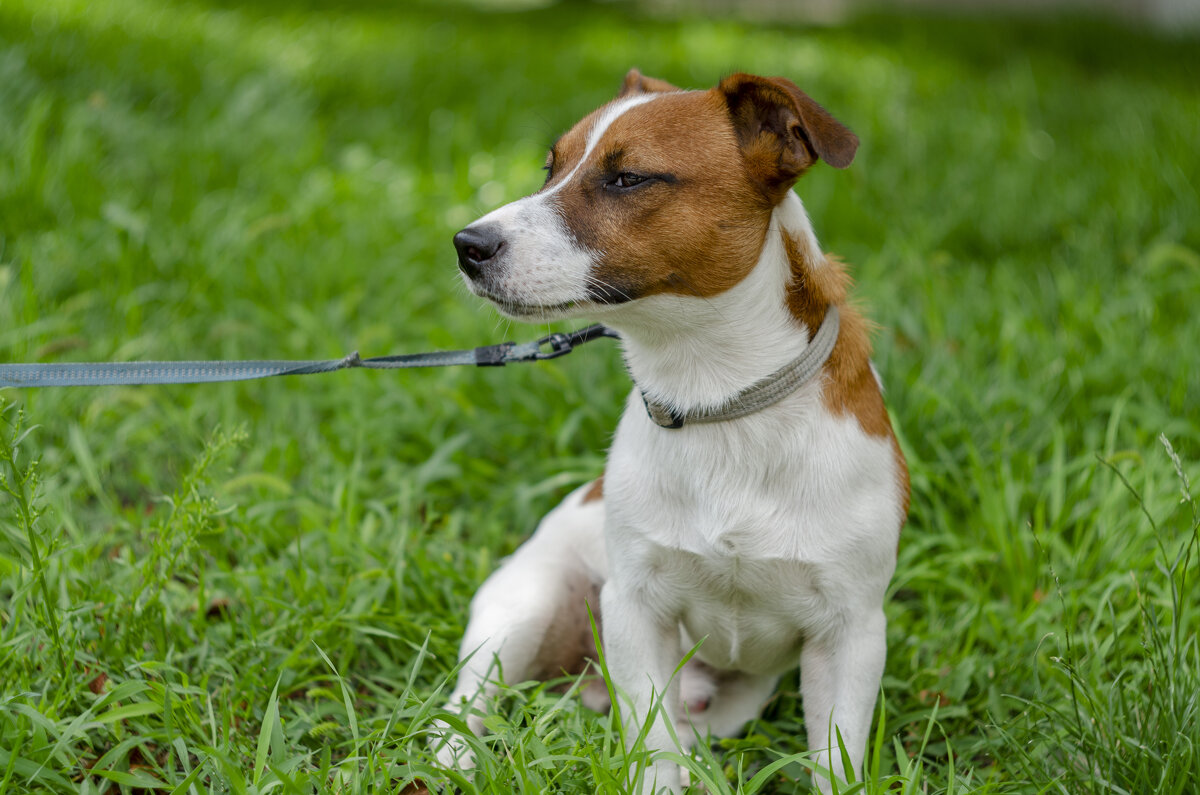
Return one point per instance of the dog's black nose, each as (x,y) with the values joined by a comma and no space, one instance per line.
(477,246)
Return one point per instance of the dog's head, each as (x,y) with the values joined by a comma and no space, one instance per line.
(659,191)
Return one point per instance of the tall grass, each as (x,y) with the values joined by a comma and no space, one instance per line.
(261,587)
(1122,717)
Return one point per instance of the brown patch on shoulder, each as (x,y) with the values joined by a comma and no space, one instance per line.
(815,287)
(595,491)
(850,386)
(902,477)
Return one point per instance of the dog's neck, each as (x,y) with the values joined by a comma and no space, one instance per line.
(692,353)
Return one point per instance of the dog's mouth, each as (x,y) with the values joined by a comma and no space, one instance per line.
(522,311)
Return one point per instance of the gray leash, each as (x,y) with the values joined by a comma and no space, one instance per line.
(107,374)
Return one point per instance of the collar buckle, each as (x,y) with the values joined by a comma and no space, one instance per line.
(662,416)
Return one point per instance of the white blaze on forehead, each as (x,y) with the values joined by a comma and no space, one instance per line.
(543,265)
(601,125)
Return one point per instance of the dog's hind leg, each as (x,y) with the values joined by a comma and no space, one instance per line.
(529,619)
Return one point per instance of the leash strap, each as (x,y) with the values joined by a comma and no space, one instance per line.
(126,373)
(766,392)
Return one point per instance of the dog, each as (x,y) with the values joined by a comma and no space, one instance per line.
(754,493)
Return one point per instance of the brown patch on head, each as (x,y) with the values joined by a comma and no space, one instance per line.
(595,491)
(637,83)
(664,200)
(850,386)
(677,194)
(782,131)
(568,149)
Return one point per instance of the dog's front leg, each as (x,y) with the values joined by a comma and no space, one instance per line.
(642,647)
(840,673)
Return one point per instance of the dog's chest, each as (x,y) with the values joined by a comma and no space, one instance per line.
(752,535)
(751,614)
(732,587)
(791,482)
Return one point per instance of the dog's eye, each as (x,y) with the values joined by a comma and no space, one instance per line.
(628,179)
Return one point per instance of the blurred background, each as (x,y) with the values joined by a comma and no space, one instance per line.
(191,179)
(1163,14)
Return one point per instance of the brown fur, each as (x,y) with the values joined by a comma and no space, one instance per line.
(700,229)
(595,491)
(637,83)
(782,131)
(568,644)
(850,386)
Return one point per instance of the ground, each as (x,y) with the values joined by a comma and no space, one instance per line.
(261,586)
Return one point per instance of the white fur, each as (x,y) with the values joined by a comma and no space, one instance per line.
(544,272)
(670,339)
(511,611)
(769,540)
(781,526)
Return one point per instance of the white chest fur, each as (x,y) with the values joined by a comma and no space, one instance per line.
(752,533)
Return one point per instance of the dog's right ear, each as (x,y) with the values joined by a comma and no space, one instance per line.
(638,83)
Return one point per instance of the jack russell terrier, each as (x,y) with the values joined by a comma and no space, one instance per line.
(754,493)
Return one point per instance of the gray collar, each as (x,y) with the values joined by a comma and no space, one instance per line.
(759,395)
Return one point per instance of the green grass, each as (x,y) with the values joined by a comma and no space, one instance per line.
(260,587)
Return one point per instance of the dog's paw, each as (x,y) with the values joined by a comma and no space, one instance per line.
(698,686)
(453,752)
(451,747)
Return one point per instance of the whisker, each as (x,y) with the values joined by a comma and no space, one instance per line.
(595,281)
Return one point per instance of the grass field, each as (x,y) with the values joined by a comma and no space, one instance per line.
(260,587)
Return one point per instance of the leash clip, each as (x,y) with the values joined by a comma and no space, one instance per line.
(560,345)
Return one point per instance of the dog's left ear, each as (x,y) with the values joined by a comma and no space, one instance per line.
(638,83)
(782,131)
